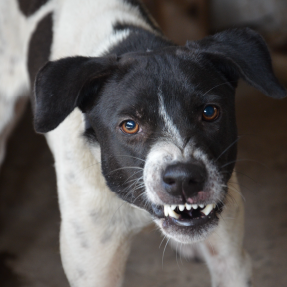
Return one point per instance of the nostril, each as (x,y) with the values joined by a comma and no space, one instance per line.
(169,180)
(195,179)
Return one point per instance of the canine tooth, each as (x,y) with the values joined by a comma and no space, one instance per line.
(173,214)
(201,205)
(181,207)
(188,206)
(173,207)
(214,205)
(166,210)
(194,206)
(207,209)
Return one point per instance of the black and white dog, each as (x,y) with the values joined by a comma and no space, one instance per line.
(141,130)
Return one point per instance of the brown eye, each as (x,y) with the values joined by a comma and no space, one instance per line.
(130,127)
(210,113)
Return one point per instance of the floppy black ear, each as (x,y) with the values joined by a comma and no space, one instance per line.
(62,85)
(241,53)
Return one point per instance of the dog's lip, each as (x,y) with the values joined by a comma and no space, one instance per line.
(191,222)
(187,222)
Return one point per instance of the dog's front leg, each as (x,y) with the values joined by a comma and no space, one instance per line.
(95,238)
(96,226)
(228,262)
(93,256)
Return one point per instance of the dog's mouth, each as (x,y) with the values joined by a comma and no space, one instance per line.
(187,219)
(189,214)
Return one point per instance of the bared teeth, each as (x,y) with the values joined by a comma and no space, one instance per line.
(188,206)
(207,209)
(181,207)
(169,210)
(173,214)
(173,207)
(166,209)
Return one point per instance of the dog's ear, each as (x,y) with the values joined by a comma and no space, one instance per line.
(63,85)
(241,53)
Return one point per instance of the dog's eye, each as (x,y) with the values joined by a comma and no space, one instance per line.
(210,113)
(130,127)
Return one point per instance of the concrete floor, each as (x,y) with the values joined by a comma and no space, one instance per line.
(29,216)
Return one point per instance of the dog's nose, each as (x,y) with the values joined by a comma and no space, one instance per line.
(184,179)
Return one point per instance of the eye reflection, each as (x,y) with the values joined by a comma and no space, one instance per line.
(130,127)
(210,113)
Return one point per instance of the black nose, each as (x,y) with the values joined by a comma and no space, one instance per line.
(184,179)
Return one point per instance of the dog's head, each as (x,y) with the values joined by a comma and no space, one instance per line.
(164,121)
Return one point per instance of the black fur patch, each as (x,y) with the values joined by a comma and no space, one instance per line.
(29,7)
(40,47)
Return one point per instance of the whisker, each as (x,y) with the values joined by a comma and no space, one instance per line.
(164,252)
(225,83)
(126,167)
(131,157)
(239,172)
(228,148)
(126,181)
(177,243)
(244,159)
(240,185)
(180,252)
(137,197)
(162,241)
(234,189)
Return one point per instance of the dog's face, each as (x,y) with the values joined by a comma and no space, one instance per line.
(164,121)
(163,124)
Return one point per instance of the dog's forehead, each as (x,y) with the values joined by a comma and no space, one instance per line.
(144,81)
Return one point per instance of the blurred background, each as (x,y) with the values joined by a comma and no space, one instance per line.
(29,215)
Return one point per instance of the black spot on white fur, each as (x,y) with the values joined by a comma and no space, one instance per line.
(40,46)
(29,7)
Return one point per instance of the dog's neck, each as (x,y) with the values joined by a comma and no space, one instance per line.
(95,22)
(137,39)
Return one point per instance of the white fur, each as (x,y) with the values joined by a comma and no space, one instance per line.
(171,129)
(91,24)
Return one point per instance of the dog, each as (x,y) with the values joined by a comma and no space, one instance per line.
(141,130)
